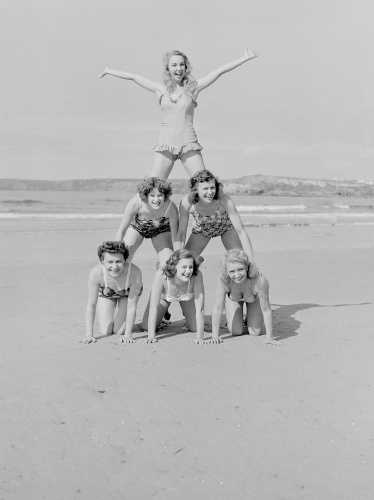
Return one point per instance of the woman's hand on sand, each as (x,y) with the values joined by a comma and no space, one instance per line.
(127,340)
(215,340)
(105,72)
(251,54)
(201,341)
(273,342)
(149,340)
(87,339)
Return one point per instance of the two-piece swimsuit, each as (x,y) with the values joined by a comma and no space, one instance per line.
(246,295)
(149,228)
(177,134)
(211,225)
(110,293)
(182,298)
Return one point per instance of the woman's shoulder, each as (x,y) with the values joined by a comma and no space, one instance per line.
(260,283)
(96,274)
(135,271)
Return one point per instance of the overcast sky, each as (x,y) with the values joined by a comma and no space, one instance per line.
(302,109)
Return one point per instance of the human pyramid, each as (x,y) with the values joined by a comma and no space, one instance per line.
(115,284)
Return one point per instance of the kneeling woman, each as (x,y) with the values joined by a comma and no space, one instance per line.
(114,287)
(178,281)
(234,289)
(150,214)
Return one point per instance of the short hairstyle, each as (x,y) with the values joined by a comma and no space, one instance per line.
(112,247)
(233,255)
(146,186)
(203,176)
(170,267)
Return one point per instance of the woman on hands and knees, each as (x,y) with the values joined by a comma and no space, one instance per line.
(214,214)
(179,281)
(177,96)
(235,289)
(150,214)
(114,287)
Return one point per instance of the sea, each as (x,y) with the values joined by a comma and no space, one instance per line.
(87,211)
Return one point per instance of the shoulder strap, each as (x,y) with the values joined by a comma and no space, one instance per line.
(105,280)
(167,208)
(128,276)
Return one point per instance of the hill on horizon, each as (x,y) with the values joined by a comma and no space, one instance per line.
(254,185)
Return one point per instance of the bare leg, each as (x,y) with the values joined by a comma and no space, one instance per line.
(161,309)
(234,316)
(106,310)
(197,243)
(189,312)
(192,162)
(132,240)
(163,162)
(163,245)
(230,239)
(255,318)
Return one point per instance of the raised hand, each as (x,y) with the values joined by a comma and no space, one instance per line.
(251,54)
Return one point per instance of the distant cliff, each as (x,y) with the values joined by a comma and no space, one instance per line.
(257,185)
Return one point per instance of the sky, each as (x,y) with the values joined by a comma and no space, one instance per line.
(304,108)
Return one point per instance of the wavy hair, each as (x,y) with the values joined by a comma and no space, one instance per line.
(146,186)
(203,176)
(189,82)
(233,255)
(170,267)
(112,247)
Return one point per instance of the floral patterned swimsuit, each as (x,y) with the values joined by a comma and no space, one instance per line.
(211,225)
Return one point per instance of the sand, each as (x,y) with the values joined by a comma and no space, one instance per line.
(174,420)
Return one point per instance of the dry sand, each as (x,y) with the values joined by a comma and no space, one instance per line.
(173,420)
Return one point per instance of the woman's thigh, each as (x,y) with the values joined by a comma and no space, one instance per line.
(197,243)
(189,312)
(163,162)
(230,239)
(121,315)
(234,316)
(255,318)
(106,310)
(163,245)
(192,162)
(132,240)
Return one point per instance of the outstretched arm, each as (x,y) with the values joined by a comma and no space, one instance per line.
(184,209)
(132,302)
(174,222)
(263,294)
(93,289)
(219,304)
(199,307)
(207,80)
(138,79)
(242,233)
(130,210)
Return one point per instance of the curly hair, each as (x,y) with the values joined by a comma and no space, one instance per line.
(146,186)
(203,176)
(233,255)
(189,82)
(171,264)
(112,247)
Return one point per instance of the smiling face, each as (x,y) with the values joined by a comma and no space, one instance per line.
(184,269)
(155,199)
(177,69)
(206,190)
(237,271)
(114,263)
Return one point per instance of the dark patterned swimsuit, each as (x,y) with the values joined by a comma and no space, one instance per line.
(211,225)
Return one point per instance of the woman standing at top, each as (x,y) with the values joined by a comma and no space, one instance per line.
(177,96)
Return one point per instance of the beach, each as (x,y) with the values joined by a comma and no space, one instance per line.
(175,420)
